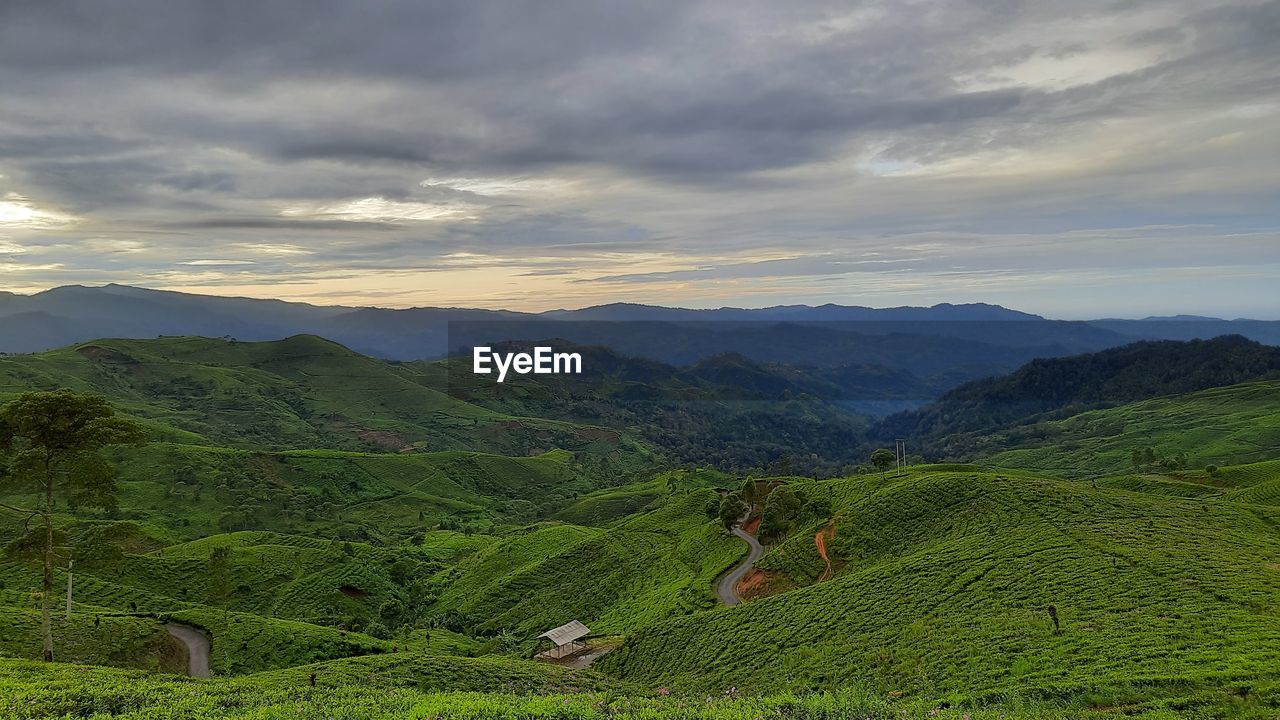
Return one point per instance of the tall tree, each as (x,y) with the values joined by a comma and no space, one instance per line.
(781,510)
(882,459)
(51,443)
(219,576)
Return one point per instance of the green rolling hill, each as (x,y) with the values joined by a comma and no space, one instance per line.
(1231,425)
(639,570)
(958,423)
(301,392)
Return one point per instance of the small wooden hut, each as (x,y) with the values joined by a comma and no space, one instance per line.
(565,640)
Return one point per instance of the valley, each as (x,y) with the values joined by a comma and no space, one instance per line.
(323,532)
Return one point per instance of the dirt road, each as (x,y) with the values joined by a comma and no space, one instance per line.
(727,587)
(197,648)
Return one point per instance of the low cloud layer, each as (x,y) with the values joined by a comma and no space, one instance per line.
(1078,159)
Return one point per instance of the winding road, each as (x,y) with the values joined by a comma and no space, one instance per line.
(197,648)
(727,587)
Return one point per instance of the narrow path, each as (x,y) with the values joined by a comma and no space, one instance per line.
(197,648)
(727,589)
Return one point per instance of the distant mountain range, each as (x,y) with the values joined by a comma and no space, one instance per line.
(948,342)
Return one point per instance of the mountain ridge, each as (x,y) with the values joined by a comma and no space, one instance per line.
(77,313)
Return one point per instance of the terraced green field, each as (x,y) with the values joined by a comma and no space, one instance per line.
(639,570)
(193,491)
(1167,603)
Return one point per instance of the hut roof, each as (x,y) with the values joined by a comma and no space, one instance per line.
(566,633)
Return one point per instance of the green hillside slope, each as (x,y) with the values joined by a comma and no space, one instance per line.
(638,571)
(194,490)
(300,392)
(944,582)
(1054,388)
(1231,425)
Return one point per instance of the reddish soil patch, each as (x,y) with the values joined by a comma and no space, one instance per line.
(752,585)
(752,525)
(602,434)
(353,592)
(759,583)
(825,535)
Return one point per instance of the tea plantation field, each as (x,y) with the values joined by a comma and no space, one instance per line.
(404,688)
(945,579)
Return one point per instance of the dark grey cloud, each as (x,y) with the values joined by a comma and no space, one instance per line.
(274,223)
(691,147)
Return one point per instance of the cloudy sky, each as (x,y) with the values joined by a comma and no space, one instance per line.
(1071,158)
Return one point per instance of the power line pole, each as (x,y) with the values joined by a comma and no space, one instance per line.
(70,562)
(900,455)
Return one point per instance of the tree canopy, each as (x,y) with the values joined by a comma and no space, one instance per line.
(50,443)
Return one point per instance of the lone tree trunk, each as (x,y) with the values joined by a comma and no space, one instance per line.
(70,563)
(46,622)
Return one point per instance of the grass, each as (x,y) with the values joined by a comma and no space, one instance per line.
(1166,584)
(189,491)
(399,689)
(247,643)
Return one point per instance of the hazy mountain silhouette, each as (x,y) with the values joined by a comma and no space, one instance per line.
(968,339)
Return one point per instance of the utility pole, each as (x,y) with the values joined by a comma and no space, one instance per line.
(900,455)
(70,562)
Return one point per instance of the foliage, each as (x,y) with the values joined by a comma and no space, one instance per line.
(400,688)
(1055,388)
(725,411)
(783,509)
(732,508)
(882,459)
(641,570)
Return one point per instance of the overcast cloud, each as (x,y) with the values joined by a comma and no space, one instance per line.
(1075,159)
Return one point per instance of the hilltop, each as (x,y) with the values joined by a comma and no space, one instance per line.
(300,392)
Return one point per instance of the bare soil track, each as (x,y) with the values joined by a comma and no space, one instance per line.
(197,644)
